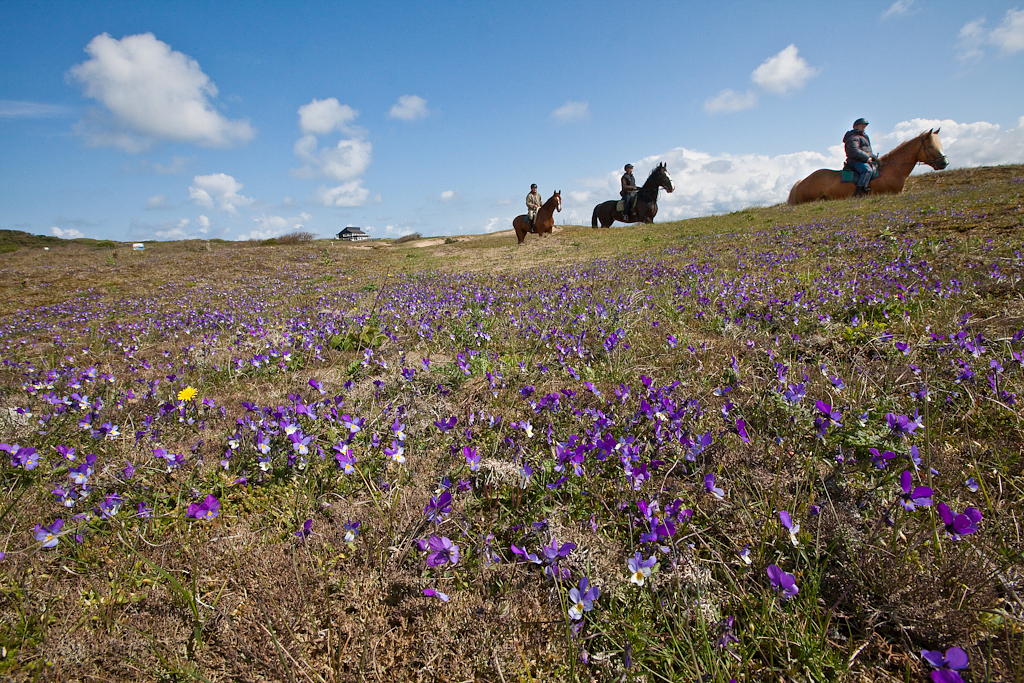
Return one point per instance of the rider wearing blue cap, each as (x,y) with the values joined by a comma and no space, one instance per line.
(859,156)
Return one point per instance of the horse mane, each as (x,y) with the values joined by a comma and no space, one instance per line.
(900,147)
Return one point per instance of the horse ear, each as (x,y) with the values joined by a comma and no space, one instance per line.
(936,131)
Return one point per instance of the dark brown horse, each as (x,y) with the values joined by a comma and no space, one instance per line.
(544,221)
(646,207)
(893,169)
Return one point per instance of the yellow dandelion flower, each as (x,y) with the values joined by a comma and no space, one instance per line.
(186,394)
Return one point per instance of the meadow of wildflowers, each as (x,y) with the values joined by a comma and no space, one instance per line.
(782,444)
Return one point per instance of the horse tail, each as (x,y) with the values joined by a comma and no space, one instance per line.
(593,218)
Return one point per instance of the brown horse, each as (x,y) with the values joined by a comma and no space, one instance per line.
(646,207)
(893,170)
(544,221)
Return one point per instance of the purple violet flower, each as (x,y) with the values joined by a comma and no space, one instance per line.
(946,664)
(912,498)
(440,550)
(709,486)
(582,598)
(205,510)
(782,581)
(639,568)
(959,525)
(434,593)
(49,535)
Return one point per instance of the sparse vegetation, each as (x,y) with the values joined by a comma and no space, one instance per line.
(779,444)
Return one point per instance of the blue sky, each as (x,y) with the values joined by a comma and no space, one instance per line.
(236,120)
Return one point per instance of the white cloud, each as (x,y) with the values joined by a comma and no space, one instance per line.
(344,162)
(979,143)
(729,101)
(498,223)
(66,233)
(175,166)
(20,109)
(571,111)
(974,36)
(268,226)
(176,232)
(1009,35)
(783,72)
(157,201)
(447,195)
(151,92)
(409,108)
(218,189)
(320,117)
(708,183)
(388,230)
(970,40)
(204,224)
(898,9)
(347,194)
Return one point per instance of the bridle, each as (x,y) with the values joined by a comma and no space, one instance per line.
(940,161)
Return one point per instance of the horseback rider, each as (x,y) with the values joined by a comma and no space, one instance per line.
(860,157)
(628,191)
(533,204)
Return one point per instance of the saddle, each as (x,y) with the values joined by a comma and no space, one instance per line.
(848,175)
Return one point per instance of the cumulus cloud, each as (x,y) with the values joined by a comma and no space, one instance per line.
(344,162)
(20,109)
(347,159)
(729,101)
(979,143)
(204,224)
(447,195)
(1007,37)
(708,183)
(498,223)
(320,117)
(970,40)
(157,201)
(571,111)
(898,9)
(218,190)
(784,72)
(177,231)
(150,92)
(347,194)
(66,233)
(268,226)
(409,108)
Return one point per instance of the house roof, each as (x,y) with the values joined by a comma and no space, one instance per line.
(354,230)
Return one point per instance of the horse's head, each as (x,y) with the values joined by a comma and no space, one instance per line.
(931,151)
(557,196)
(664,180)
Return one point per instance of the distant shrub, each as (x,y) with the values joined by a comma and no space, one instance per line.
(270,242)
(408,238)
(450,240)
(296,237)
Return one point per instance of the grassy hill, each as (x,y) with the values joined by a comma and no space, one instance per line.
(778,444)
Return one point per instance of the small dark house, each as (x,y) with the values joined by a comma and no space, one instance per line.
(352,233)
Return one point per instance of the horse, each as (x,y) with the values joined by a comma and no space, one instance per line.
(893,168)
(646,207)
(544,221)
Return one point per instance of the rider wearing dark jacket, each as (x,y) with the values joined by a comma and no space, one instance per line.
(859,155)
(628,190)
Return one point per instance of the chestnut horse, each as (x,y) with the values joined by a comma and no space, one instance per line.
(893,170)
(646,207)
(544,221)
